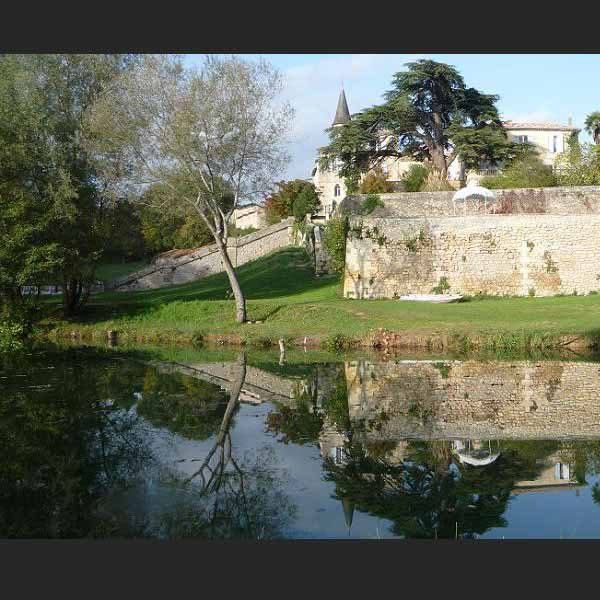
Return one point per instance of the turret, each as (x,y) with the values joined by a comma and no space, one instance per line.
(342,114)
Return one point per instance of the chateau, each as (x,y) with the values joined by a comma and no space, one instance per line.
(549,139)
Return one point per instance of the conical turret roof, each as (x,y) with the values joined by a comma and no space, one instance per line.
(342,114)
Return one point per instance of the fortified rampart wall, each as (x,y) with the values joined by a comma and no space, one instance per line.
(526,242)
(171,269)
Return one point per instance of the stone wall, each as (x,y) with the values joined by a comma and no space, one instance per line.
(174,268)
(533,254)
(557,200)
(475,400)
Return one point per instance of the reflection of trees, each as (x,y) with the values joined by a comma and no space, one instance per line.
(323,395)
(187,406)
(65,446)
(429,494)
(227,498)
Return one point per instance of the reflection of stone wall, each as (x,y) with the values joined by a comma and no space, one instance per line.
(259,386)
(474,400)
(538,254)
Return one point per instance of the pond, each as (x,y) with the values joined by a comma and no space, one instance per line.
(115,443)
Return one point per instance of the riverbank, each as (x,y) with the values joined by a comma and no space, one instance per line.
(287,301)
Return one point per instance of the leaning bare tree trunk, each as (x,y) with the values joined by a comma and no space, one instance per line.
(240,300)
(222,443)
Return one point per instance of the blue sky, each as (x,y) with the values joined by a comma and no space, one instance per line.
(547,87)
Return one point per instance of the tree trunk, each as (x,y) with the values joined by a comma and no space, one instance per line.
(240,300)
(597,136)
(438,158)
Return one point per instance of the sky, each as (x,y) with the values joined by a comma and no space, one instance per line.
(532,87)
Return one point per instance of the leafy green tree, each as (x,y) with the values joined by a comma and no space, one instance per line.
(578,165)
(416,176)
(592,125)
(428,114)
(70,85)
(209,134)
(292,198)
(528,171)
(32,184)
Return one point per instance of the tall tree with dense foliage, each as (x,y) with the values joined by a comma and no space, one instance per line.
(32,184)
(429,113)
(213,135)
(70,84)
(592,126)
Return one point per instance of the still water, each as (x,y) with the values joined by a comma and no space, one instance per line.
(104,444)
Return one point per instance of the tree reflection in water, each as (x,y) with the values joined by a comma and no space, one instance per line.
(79,436)
(228,499)
(68,440)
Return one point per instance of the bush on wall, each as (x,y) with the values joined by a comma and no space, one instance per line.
(334,238)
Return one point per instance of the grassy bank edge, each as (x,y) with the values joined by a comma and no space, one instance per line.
(380,339)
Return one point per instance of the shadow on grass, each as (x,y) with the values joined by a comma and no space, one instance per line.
(284,273)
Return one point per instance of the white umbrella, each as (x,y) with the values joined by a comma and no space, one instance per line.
(472,192)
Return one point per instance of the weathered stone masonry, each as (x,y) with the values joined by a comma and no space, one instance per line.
(527,242)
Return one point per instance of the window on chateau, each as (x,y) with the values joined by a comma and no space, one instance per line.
(336,190)
(554,144)
(522,139)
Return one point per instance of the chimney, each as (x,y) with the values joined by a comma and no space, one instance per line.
(570,122)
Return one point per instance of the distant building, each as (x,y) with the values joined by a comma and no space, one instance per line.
(548,139)
(249,215)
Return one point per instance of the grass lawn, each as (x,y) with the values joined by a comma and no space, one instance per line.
(292,302)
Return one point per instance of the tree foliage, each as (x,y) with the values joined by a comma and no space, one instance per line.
(579,165)
(297,198)
(592,125)
(205,134)
(428,114)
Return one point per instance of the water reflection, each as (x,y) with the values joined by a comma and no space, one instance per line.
(102,444)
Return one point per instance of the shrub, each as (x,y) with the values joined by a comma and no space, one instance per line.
(375,182)
(12,335)
(334,238)
(527,171)
(579,165)
(337,342)
(414,179)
